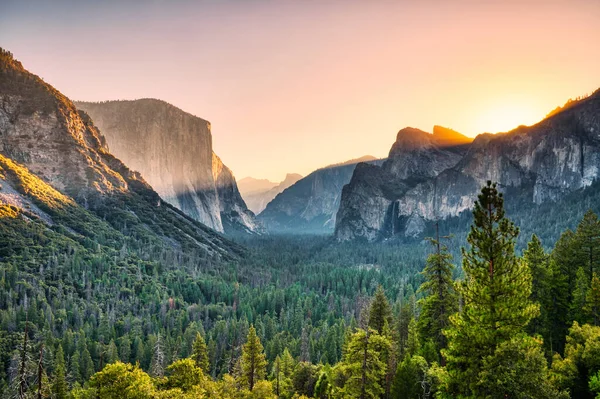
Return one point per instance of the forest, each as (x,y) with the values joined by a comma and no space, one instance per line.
(484,314)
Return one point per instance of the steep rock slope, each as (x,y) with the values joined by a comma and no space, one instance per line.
(310,205)
(539,163)
(43,131)
(172,150)
(258,193)
(367,207)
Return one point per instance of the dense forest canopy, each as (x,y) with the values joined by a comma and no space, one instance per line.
(305,316)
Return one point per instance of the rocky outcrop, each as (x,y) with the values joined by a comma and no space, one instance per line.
(172,150)
(310,205)
(541,163)
(369,208)
(258,193)
(43,132)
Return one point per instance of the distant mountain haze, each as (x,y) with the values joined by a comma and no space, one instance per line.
(310,204)
(258,193)
(173,151)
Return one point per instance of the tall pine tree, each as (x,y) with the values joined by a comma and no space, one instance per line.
(440,299)
(59,385)
(200,354)
(495,292)
(253,362)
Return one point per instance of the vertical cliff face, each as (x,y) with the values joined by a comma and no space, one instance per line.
(368,207)
(172,150)
(543,162)
(310,205)
(45,138)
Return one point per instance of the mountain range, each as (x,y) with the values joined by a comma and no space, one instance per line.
(426,178)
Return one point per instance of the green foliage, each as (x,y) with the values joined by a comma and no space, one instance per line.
(184,374)
(124,381)
(581,360)
(59,386)
(517,369)
(410,380)
(380,314)
(363,365)
(495,292)
(253,362)
(200,353)
(440,300)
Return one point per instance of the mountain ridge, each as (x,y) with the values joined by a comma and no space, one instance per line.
(544,162)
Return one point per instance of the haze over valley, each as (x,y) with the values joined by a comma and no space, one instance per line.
(262,200)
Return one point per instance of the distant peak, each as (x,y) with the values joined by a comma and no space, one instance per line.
(446,136)
(364,158)
(292,176)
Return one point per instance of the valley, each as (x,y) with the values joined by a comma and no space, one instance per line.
(135,264)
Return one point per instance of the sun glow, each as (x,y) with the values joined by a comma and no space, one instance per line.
(503,118)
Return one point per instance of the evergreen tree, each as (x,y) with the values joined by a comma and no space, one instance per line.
(407,379)
(59,386)
(440,299)
(564,266)
(587,237)
(592,301)
(539,267)
(75,369)
(253,362)
(157,364)
(582,286)
(380,313)
(495,292)
(200,354)
(364,364)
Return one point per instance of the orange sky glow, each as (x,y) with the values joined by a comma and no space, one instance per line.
(290,86)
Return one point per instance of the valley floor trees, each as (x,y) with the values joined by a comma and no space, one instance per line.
(510,326)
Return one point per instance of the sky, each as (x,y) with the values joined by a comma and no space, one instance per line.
(291,86)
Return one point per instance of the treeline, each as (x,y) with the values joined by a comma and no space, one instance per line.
(523,327)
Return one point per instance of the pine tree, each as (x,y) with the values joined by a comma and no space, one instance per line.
(495,292)
(582,286)
(380,313)
(59,386)
(564,266)
(587,237)
(157,364)
(200,354)
(537,261)
(592,301)
(440,299)
(253,362)
(363,361)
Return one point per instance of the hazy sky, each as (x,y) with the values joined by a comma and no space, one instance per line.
(290,86)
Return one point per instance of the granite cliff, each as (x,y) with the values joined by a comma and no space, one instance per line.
(539,163)
(172,150)
(51,149)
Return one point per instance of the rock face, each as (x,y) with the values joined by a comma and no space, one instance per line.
(310,205)
(172,150)
(42,130)
(543,162)
(368,208)
(258,193)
